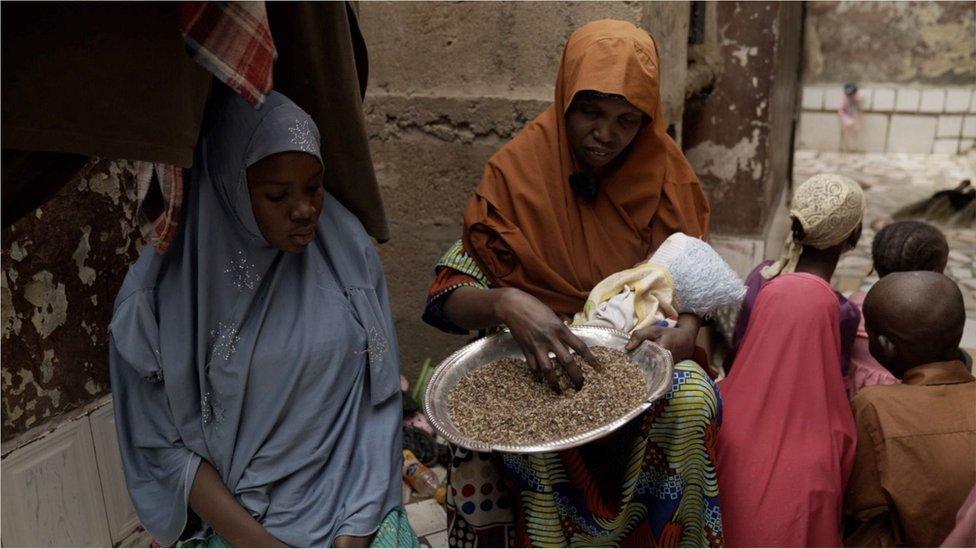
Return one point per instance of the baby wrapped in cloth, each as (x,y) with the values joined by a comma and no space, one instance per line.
(684,275)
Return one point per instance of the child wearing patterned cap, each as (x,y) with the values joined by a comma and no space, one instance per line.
(787,441)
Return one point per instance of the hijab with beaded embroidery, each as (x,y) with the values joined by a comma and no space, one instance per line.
(278,369)
(524,225)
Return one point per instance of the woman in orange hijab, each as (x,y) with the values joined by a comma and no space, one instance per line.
(591,187)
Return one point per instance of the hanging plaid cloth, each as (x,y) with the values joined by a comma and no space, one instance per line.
(159,193)
(163,227)
(233,41)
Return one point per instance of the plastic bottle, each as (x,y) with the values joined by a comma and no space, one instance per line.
(418,476)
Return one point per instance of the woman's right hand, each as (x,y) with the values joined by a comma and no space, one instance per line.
(539,331)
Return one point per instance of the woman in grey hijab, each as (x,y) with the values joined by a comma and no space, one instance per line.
(254,365)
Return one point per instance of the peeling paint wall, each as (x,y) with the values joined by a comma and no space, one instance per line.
(897,42)
(62,267)
(450,83)
(737,136)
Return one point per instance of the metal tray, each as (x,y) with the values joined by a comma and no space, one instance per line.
(656,362)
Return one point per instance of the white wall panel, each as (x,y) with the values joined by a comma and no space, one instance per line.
(122,519)
(51,492)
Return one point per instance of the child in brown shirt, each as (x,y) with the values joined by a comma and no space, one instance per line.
(916,447)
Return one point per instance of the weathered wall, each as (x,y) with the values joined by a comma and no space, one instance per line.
(449,84)
(62,267)
(738,136)
(897,42)
(915,63)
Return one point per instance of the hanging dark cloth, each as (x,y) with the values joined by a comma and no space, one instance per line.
(108,79)
(100,79)
(322,67)
(32,178)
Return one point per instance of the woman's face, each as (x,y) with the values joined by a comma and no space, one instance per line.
(286,197)
(600,128)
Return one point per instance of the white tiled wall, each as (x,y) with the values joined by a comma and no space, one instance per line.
(884,100)
(957,99)
(812,99)
(969,127)
(819,131)
(911,133)
(933,101)
(914,119)
(908,100)
(122,518)
(950,125)
(833,97)
(946,146)
(66,488)
(874,135)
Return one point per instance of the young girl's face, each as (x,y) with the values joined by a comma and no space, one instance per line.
(286,198)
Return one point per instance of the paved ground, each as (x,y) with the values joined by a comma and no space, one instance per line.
(895,180)
(427,517)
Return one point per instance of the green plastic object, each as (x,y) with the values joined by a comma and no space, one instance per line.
(421,385)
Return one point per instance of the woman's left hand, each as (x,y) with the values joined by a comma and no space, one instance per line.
(680,340)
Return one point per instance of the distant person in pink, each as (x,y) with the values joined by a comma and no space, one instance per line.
(849,113)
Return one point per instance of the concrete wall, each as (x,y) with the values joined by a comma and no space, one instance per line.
(450,83)
(62,266)
(893,42)
(915,63)
(738,135)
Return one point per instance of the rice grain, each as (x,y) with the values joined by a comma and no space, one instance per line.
(502,403)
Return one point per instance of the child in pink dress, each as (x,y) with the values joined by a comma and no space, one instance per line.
(901,246)
(849,114)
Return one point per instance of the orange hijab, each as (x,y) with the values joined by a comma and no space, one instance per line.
(524,225)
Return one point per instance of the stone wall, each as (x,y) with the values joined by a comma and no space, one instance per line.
(915,63)
(894,42)
(450,83)
(737,134)
(62,267)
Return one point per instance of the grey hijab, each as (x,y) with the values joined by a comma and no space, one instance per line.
(278,369)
